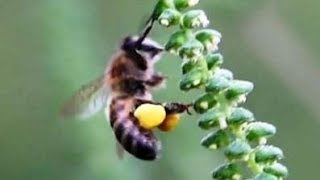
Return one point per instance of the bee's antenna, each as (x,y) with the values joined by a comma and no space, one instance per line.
(146,31)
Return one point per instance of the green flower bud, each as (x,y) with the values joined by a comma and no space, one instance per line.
(276,169)
(238,88)
(214,60)
(210,119)
(216,140)
(238,150)
(191,50)
(182,4)
(204,102)
(193,79)
(265,176)
(239,116)
(193,19)
(190,65)
(227,171)
(169,17)
(257,130)
(176,40)
(209,38)
(161,6)
(268,154)
(216,84)
(224,73)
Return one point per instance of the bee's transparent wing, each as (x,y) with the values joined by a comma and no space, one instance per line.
(87,101)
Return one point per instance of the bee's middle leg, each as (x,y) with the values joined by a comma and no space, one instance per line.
(170,108)
(176,107)
(139,102)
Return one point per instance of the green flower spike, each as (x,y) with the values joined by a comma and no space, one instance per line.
(268,154)
(216,84)
(209,38)
(194,19)
(224,73)
(240,116)
(227,171)
(176,40)
(210,119)
(161,6)
(190,65)
(192,79)
(277,169)
(182,4)
(238,150)
(265,176)
(259,131)
(169,17)
(204,102)
(238,88)
(233,129)
(216,140)
(191,50)
(214,60)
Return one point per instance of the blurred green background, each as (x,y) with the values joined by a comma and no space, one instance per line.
(49,48)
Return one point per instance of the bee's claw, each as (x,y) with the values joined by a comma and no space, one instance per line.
(187,108)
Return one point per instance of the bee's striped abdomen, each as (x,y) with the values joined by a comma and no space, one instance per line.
(137,141)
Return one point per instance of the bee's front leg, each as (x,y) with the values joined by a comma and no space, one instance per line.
(155,80)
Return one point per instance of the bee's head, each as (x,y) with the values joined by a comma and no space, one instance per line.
(148,49)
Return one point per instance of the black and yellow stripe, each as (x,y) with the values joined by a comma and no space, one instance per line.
(137,141)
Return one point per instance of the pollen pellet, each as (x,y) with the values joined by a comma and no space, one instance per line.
(170,122)
(150,115)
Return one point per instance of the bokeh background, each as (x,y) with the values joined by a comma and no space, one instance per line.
(49,48)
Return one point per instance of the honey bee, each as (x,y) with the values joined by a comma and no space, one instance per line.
(128,81)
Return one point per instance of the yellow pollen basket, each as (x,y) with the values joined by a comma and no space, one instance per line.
(170,122)
(150,115)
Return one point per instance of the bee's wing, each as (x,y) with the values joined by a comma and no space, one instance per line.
(87,101)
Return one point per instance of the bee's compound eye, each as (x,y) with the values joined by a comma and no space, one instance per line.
(150,115)
(170,122)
